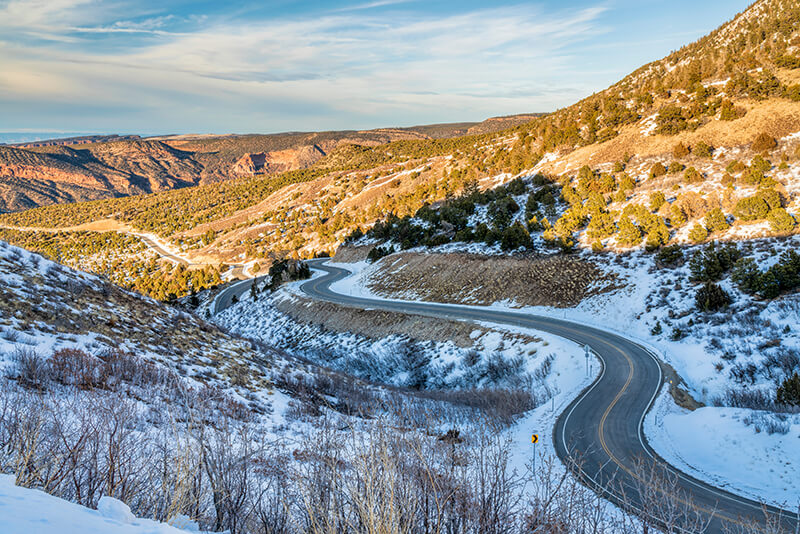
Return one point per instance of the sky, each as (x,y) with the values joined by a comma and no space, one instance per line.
(178,66)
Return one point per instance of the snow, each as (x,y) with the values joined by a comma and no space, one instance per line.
(720,435)
(28,511)
(117,510)
(717,445)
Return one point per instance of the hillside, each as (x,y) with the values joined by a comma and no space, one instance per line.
(117,403)
(687,127)
(95,167)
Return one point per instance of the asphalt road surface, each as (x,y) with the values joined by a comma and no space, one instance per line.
(225,298)
(158,249)
(602,427)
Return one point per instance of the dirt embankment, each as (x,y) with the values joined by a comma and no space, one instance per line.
(377,323)
(559,281)
(351,254)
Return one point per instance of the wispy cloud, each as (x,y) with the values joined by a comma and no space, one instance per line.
(373,5)
(273,71)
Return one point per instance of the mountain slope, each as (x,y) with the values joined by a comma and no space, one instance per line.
(686,128)
(81,169)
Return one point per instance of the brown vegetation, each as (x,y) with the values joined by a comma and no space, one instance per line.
(560,281)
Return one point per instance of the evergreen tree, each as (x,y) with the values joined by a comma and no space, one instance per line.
(698,233)
(711,297)
(751,209)
(629,234)
(789,391)
(781,221)
(657,199)
(715,221)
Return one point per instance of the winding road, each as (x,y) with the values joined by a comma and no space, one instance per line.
(603,425)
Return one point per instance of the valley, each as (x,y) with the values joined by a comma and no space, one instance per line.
(585,320)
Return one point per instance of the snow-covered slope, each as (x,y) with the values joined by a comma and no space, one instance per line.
(724,429)
(29,511)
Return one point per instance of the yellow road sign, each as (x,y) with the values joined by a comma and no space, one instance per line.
(535,438)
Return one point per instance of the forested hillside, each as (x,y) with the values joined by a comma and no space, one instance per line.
(698,145)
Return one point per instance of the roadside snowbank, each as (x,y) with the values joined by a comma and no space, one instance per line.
(718,445)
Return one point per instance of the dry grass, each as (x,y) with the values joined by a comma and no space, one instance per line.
(777,117)
(377,323)
(560,281)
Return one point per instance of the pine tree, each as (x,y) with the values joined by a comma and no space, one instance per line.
(715,221)
(629,234)
(789,391)
(710,297)
(781,221)
(657,200)
(698,233)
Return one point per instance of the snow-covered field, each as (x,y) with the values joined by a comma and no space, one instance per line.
(710,442)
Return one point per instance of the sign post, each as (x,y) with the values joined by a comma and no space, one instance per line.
(587,350)
(534,441)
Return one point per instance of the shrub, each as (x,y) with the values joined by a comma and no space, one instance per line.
(771,197)
(711,297)
(31,369)
(680,151)
(703,150)
(677,334)
(657,200)
(715,221)
(792,92)
(789,391)
(657,170)
(698,233)
(670,120)
(781,221)
(751,208)
(760,164)
(676,216)
(75,367)
(656,330)
(626,183)
(692,176)
(763,143)
(514,237)
(671,256)
(788,62)
(729,112)
(377,253)
(675,167)
(735,167)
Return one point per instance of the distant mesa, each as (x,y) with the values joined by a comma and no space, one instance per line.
(82,140)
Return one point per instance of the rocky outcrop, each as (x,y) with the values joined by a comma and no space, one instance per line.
(56,174)
(278,161)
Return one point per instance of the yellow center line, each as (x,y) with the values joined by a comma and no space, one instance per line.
(601,431)
(601,428)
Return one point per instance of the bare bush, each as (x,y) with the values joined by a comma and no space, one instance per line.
(31,368)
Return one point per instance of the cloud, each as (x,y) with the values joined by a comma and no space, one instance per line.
(373,5)
(357,66)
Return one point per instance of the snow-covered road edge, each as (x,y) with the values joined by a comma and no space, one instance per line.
(712,444)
